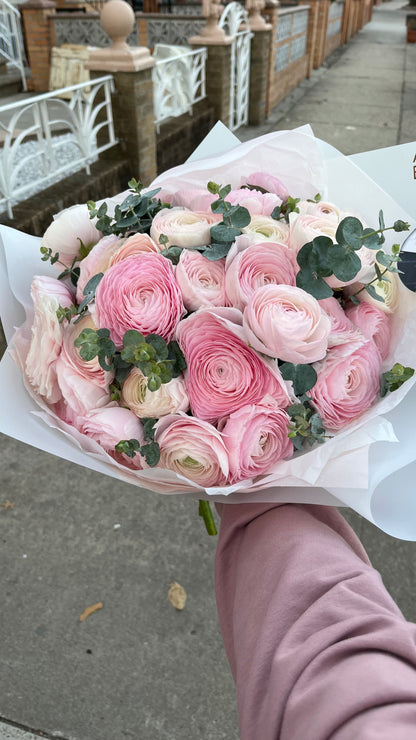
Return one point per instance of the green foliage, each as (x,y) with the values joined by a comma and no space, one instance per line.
(224,233)
(321,258)
(394,378)
(72,272)
(290,205)
(134,215)
(305,426)
(303,377)
(150,450)
(158,360)
(96,343)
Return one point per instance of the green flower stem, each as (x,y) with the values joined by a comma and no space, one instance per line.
(374,280)
(206,513)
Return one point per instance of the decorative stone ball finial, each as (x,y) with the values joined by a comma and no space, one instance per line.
(117,20)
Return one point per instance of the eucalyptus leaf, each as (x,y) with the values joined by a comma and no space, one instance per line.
(313,284)
(345,265)
(223,233)
(217,251)
(350,232)
(159,345)
(371,239)
(303,377)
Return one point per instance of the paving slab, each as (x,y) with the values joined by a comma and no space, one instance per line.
(70,538)
(347,113)
(137,668)
(348,138)
(8,732)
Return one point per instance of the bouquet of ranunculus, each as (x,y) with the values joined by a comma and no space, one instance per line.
(227,331)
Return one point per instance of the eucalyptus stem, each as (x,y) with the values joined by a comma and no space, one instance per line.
(377,279)
(206,513)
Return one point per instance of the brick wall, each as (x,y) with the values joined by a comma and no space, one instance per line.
(287,80)
(180,136)
(108,177)
(39,39)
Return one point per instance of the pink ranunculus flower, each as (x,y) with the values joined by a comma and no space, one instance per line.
(285,322)
(139,293)
(304,228)
(46,342)
(80,394)
(98,260)
(321,209)
(183,228)
(250,266)
(268,182)
(193,448)
(347,385)
(223,372)
(68,230)
(265,228)
(134,245)
(256,202)
(198,199)
(168,399)
(343,330)
(374,323)
(256,437)
(110,425)
(89,369)
(200,280)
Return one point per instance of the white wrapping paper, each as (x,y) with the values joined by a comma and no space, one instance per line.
(370,466)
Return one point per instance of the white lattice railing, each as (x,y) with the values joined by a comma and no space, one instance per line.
(178,81)
(11,42)
(46,138)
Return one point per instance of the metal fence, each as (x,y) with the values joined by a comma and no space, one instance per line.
(178,81)
(11,42)
(45,138)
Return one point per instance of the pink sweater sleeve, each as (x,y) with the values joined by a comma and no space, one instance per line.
(317,647)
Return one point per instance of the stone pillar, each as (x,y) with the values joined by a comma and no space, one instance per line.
(346,21)
(272,12)
(218,76)
(131,68)
(322,27)
(259,76)
(312,34)
(39,38)
(218,65)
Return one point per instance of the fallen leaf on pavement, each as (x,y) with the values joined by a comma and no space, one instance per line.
(7,505)
(177,595)
(90,610)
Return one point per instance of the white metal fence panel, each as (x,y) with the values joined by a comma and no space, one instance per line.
(178,80)
(37,130)
(11,41)
(234,21)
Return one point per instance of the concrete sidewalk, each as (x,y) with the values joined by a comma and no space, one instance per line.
(70,538)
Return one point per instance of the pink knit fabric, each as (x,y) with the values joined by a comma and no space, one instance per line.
(317,647)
